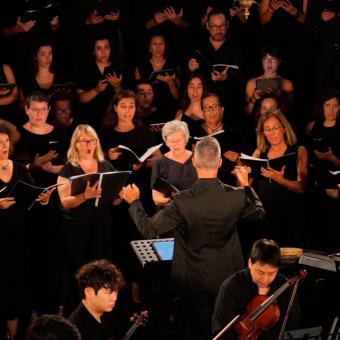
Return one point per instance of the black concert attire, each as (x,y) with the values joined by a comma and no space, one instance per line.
(90,328)
(44,220)
(284,208)
(207,248)
(139,140)
(86,232)
(14,249)
(237,292)
(182,176)
(230,140)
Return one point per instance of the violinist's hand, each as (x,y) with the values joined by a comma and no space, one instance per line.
(92,191)
(44,197)
(242,173)
(232,156)
(113,154)
(130,193)
(6,202)
(273,174)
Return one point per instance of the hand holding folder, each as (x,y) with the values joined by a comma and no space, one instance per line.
(127,152)
(164,187)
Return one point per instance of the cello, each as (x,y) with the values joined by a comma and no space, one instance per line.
(262,313)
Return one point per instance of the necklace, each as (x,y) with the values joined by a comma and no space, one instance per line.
(5,167)
(214,129)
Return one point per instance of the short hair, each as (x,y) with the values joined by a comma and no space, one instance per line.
(217,11)
(11,131)
(265,251)
(207,153)
(72,153)
(52,327)
(36,96)
(271,50)
(175,126)
(262,142)
(212,94)
(111,117)
(99,274)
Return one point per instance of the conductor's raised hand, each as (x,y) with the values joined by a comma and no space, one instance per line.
(92,191)
(130,193)
(6,202)
(242,175)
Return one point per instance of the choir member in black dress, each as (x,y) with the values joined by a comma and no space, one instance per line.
(158,58)
(98,82)
(229,137)
(281,191)
(14,241)
(42,148)
(175,166)
(85,228)
(42,73)
(191,110)
(121,130)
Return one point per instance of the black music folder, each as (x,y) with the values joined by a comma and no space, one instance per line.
(277,163)
(325,178)
(26,194)
(110,182)
(163,186)
(134,158)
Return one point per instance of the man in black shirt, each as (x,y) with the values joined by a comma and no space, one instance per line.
(260,278)
(99,283)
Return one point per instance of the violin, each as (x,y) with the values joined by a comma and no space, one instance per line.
(262,312)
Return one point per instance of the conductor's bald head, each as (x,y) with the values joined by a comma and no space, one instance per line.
(207,154)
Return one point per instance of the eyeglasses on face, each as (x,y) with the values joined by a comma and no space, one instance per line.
(273,129)
(86,142)
(217,28)
(207,108)
(39,110)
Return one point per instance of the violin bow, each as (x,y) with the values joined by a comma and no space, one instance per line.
(231,323)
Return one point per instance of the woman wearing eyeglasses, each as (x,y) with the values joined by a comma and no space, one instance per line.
(85,229)
(281,191)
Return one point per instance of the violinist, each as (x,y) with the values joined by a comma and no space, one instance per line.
(260,278)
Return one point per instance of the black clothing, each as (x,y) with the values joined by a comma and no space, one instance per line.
(236,293)
(90,328)
(14,248)
(207,248)
(284,208)
(182,176)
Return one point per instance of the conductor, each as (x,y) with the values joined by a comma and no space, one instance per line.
(204,221)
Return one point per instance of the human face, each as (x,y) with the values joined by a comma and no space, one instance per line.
(86,145)
(262,274)
(270,64)
(44,56)
(37,113)
(126,109)
(217,27)
(102,50)
(157,46)
(5,145)
(62,111)
(104,301)
(176,142)
(212,111)
(145,95)
(331,109)
(195,89)
(273,131)
(268,104)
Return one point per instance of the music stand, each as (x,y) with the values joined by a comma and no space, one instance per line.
(144,250)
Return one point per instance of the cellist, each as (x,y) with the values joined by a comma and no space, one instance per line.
(260,278)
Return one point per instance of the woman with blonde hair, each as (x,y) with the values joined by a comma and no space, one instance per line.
(281,190)
(85,227)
